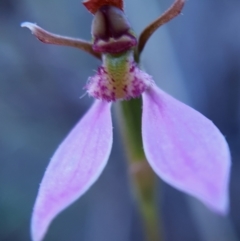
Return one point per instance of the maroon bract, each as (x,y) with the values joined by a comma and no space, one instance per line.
(94,5)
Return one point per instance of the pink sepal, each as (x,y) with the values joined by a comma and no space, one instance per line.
(186,149)
(75,166)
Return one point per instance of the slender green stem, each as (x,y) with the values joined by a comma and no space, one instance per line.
(131,118)
(144,182)
(141,173)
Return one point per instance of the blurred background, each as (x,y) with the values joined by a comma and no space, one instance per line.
(196,58)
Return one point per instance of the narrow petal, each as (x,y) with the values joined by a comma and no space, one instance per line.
(168,15)
(186,149)
(75,166)
(51,38)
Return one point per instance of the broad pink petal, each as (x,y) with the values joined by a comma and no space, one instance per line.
(75,166)
(186,149)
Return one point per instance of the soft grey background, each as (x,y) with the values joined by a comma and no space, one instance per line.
(196,58)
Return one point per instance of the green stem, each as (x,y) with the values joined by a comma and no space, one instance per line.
(144,182)
(142,174)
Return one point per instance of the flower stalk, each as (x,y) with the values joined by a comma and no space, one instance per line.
(143,178)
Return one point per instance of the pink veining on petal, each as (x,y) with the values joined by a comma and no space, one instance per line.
(186,149)
(75,166)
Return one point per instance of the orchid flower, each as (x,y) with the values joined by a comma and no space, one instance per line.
(183,147)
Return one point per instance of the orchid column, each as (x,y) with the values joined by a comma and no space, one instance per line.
(182,146)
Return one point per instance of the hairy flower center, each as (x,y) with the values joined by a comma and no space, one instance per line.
(118,78)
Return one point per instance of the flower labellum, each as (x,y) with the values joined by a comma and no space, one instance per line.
(118,78)
(182,146)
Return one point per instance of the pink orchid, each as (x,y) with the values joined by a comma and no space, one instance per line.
(182,146)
